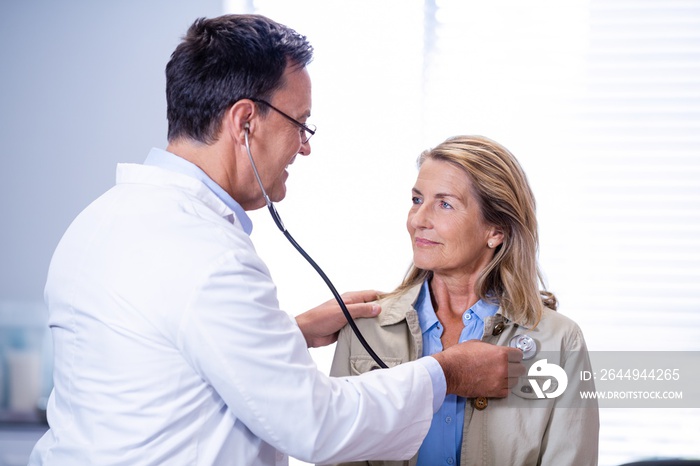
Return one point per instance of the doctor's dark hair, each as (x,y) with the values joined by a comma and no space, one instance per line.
(222,60)
(512,278)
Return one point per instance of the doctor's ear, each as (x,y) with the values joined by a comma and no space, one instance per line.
(239,119)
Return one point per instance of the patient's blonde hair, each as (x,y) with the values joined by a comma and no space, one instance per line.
(505,199)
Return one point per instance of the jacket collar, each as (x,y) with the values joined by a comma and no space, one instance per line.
(395,308)
(174,163)
(130,173)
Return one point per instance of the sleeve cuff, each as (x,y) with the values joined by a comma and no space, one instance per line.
(438,378)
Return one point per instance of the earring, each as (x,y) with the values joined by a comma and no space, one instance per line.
(490,244)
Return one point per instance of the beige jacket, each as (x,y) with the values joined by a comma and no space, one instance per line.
(518,430)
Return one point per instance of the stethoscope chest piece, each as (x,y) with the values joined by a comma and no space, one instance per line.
(524,343)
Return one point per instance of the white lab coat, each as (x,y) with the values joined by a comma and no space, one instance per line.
(170,347)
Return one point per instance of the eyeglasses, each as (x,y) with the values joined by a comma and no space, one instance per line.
(305,131)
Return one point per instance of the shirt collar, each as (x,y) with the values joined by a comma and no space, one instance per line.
(169,161)
(426,312)
(484,309)
(424,308)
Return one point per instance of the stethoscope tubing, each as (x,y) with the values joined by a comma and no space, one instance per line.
(278,221)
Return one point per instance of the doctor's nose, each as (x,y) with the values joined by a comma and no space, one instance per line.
(305,148)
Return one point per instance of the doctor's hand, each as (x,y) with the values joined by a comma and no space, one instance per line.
(474,368)
(321,324)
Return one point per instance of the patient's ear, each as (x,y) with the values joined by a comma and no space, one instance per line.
(495,237)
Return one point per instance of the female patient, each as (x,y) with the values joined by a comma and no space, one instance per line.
(475,276)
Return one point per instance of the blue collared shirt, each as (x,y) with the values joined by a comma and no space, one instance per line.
(443,444)
(164,159)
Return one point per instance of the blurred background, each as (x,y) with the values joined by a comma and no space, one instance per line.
(598,99)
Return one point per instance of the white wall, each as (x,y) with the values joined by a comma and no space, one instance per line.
(82,87)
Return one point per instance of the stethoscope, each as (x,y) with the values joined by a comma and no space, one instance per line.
(280,225)
(523,342)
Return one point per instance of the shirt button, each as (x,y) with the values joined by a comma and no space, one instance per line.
(450,461)
(448,419)
(467,316)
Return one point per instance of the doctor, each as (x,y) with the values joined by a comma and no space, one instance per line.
(170,347)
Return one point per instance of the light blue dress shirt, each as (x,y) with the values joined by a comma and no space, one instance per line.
(164,159)
(443,444)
